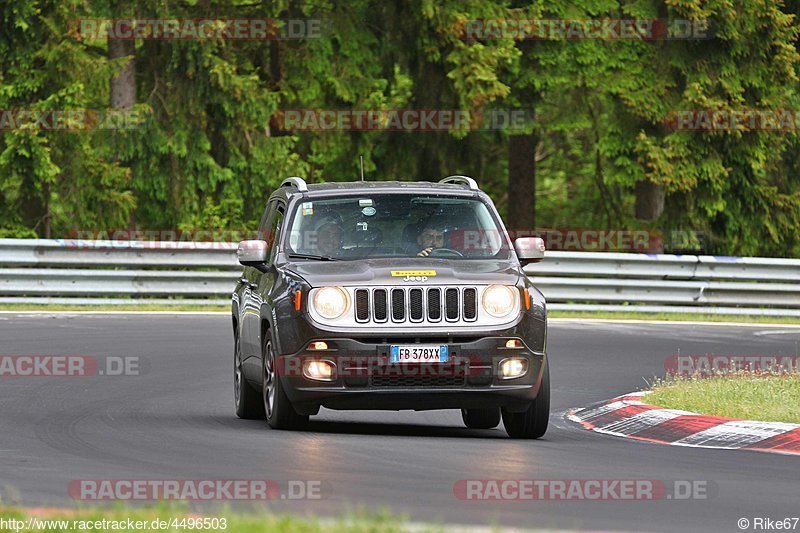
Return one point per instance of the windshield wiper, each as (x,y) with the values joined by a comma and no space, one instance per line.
(311,256)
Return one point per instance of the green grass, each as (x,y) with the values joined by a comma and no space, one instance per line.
(588,315)
(674,317)
(255,522)
(771,398)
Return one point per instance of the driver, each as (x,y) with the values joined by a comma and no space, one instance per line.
(431,237)
(329,237)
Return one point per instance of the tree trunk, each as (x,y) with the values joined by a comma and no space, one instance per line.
(123,85)
(649,200)
(522,182)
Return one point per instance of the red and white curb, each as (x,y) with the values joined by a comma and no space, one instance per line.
(628,416)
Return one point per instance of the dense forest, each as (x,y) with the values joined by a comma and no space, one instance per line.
(202,139)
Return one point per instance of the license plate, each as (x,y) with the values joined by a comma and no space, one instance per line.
(419,353)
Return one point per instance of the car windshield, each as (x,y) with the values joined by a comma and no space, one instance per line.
(395,225)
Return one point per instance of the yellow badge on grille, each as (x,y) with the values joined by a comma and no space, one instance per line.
(412,273)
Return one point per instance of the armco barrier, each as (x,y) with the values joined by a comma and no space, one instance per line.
(123,272)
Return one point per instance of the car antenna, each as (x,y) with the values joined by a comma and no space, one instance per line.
(362,167)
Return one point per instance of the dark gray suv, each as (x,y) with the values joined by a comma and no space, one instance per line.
(389,295)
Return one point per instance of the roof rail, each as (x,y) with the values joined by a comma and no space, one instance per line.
(294,181)
(461,180)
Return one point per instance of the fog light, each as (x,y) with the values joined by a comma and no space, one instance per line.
(318,370)
(513,343)
(319,345)
(513,367)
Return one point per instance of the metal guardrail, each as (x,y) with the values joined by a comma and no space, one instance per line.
(51,253)
(123,272)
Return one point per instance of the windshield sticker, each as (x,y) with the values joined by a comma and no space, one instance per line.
(365,203)
(368,211)
(308,208)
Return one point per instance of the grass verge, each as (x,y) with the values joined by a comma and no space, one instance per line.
(771,398)
(588,315)
(674,317)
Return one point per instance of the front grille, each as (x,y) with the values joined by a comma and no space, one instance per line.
(362,305)
(451,304)
(379,298)
(456,380)
(434,305)
(398,304)
(470,304)
(416,304)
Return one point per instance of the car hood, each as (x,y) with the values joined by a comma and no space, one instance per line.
(396,271)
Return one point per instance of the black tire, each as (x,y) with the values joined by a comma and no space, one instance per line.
(531,423)
(246,399)
(280,412)
(481,418)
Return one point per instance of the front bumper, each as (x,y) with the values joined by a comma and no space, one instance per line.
(364,377)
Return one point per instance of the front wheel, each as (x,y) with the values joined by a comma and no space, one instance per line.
(531,423)
(481,418)
(279,410)
(248,404)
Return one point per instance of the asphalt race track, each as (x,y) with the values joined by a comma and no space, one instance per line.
(176,421)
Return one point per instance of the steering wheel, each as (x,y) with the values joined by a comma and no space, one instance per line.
(446,251)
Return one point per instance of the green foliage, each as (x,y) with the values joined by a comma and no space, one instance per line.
(207,151)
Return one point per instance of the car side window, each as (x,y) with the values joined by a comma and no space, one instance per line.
(275,232)
(266,221)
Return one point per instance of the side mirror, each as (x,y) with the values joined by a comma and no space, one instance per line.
(252,254)
(529,249)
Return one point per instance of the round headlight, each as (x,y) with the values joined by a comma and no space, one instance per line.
(498,300)
(330,302)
